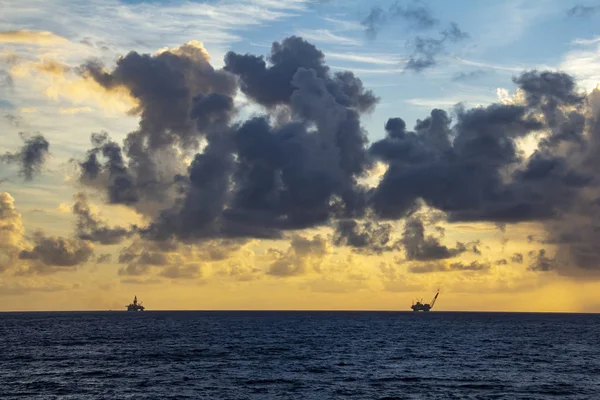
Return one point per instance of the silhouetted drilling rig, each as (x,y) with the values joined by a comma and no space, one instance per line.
(420,306)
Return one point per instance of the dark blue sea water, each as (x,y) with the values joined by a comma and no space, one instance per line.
(298,355)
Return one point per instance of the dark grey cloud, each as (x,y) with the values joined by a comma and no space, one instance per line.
(421,247)
(287,175)
(582,11)
(368,237)
(90,228)
(517,258)
(52,254)
(113,175)
(415,16)
(31,157)
(273,85)
(297,163)
(541,262)
(465,170)
(165,85)
(179,94)
(463,177)
(425,50)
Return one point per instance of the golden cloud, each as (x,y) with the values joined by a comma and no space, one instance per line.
(75,110)
(31,37)
(61,82)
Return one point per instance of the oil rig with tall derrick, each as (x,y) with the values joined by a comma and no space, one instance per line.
(418,304)
(135,306)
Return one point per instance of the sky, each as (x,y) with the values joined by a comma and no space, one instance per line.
(299,154)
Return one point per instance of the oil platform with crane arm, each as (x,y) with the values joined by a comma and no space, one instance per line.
(420,306)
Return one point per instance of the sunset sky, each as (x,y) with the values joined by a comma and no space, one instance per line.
(299,154)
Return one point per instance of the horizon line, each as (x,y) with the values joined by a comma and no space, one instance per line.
(303,311)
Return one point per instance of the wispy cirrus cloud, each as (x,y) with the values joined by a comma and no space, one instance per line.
(502,67)
(344,25)
(366,58)
(448,102)
(327,37)
(155,25)
(586,42)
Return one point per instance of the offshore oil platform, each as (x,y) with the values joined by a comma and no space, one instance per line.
(420,306)
(135,306)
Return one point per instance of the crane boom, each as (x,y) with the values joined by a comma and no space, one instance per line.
(434,299)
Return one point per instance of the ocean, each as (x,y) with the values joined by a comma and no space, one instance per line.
(298,355)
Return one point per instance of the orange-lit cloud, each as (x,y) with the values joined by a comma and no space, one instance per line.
(31,37)
(75,110)
(60,82)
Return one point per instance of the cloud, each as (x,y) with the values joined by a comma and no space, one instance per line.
(579,11)
(366,58)
(327,37)
(219,23)
(586,42)
(474,266)
(38,254)
(31,37)
(21,288)
(53,254)
(303,256)
(420,247)
(395,281)
(11,232)
(104,258)
(134,281)
(60,82)
(178,93)
(13,120)
(517,258)
(75,110)
(582,65)
(31,157)
(369,237)
(542,262)
(300,160)
(285,173)
(415,15)
(171,259)
(181,272)
(426,49)
(468,76)
(344,25)
(91,228)
(242,269)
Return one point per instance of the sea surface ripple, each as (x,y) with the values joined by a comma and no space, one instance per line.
(298,355)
